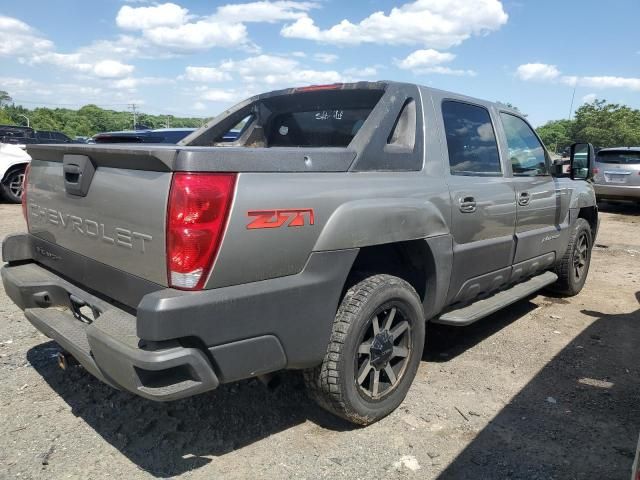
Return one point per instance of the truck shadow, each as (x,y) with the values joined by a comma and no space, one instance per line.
(578,418)
(167,439)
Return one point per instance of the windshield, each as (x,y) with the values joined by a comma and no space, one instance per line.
(622,157)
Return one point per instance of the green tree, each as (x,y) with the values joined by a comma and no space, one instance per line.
(5,98)
(556,134)
(607,124)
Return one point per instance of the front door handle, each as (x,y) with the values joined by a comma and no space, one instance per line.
(524,199)
(467,205)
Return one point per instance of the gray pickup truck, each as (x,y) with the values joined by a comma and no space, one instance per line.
(322,236)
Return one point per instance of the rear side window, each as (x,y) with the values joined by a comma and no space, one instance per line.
(630,157)
(404,131)
(471,141)
(526,153)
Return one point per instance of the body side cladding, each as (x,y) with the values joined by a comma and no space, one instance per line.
(297,309)
(362,223)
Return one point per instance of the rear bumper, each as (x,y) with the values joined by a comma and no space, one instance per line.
(621,192)
(177,344)
(108,347)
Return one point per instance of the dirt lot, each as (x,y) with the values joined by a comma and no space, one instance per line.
(549,388)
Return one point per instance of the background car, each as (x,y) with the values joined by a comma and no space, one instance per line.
(13,162)
(160,135)
(617,174)
(17,135)
(47,136)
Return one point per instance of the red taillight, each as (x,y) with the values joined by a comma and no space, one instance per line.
(197,216)
(24,193)
(595,170)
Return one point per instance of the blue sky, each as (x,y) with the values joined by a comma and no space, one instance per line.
(192,57)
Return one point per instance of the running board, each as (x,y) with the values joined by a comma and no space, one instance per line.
(487,306)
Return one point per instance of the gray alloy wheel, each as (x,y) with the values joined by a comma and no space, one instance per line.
(382,356)
(12,186)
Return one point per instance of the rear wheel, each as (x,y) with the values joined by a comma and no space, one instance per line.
(573,268)
(12,186)
(374,352)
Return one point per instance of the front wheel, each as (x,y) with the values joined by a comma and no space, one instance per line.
(12,186)
(374,351)
(573,268)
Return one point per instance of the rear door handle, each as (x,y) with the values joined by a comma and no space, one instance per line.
(524,199)
(467,204)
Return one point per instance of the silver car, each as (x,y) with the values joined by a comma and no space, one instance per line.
(617,174)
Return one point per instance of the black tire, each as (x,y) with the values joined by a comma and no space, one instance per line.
(573,267)
(11,186)
(394,351)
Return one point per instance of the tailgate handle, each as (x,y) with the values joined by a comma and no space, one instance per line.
(78,171)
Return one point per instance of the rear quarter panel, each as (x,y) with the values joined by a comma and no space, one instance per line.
(349,210)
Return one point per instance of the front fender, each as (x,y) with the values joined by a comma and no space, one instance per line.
(582,195)
(362,223)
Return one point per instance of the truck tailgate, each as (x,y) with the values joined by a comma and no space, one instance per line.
(120,221)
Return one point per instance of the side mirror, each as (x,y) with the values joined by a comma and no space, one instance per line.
(581,161)
(555,169)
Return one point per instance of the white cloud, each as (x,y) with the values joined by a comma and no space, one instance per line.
(221,95)
(112,69)
(74,61)
(200,35)
(424,62)
(438,24)
(610,82)
(131,83)
(173,28)
(545,72)
(589,98)
(17,38)
(277,71)
(425,58)
(264,11)
(139,18)
(326,57)
(205,74)
(537,71)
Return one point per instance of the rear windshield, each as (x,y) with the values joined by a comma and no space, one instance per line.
(330,127)
(622,157)
(327,118)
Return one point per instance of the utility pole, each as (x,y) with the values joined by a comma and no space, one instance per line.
(133,110)
(168,121)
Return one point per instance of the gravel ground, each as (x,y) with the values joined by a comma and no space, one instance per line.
(546,389)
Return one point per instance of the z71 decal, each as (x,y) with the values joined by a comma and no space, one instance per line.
(292,217)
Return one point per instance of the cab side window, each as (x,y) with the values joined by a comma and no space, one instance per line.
(526,153)
(471,140)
